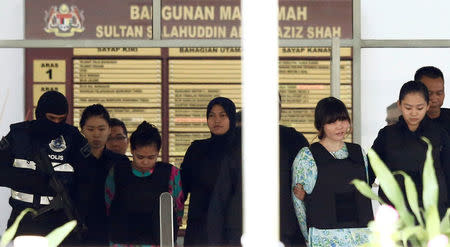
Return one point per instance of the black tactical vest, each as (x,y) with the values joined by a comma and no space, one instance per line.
(24,149)
(334,202)
(135,207)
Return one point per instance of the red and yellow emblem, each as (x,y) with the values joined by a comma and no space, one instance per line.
(64,21)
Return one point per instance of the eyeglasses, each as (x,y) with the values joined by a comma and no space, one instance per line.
(117,138)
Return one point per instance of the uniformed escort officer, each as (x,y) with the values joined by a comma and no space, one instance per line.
(67,150)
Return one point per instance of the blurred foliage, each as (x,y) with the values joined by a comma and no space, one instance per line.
(422,227)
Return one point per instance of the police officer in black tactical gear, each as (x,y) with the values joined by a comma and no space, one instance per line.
(67,150)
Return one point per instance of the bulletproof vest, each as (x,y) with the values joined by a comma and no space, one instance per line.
(25,147)
(334,202)
(134,215)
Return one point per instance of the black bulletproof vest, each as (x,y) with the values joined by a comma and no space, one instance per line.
(27,146)
(135,207)
(334,202)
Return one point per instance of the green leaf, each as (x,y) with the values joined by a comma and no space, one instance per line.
(432,221)
(430,184)
(411,195)
(11,231)
(390,187)
(430,194)
(365,190)
(445,223)
(59,234)
(411,231)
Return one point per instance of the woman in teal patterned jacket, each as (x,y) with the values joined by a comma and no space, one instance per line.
(331,212)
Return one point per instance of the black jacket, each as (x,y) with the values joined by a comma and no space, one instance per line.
(291,141)
(402,149)
(199,172)
(91,198)
(224,225)
(67,150)
(225,211)
(444,119)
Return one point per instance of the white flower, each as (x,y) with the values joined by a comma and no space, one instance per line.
(438,241)
(385,224)
(386,219)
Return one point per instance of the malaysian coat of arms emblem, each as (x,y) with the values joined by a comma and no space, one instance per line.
(58,145)
(64,21)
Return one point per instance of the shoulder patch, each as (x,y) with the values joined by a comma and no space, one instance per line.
(86,150)
(4,144)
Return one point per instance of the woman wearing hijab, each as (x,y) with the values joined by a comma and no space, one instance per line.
(201,166)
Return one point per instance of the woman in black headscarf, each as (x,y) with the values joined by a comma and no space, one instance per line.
(201,166)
